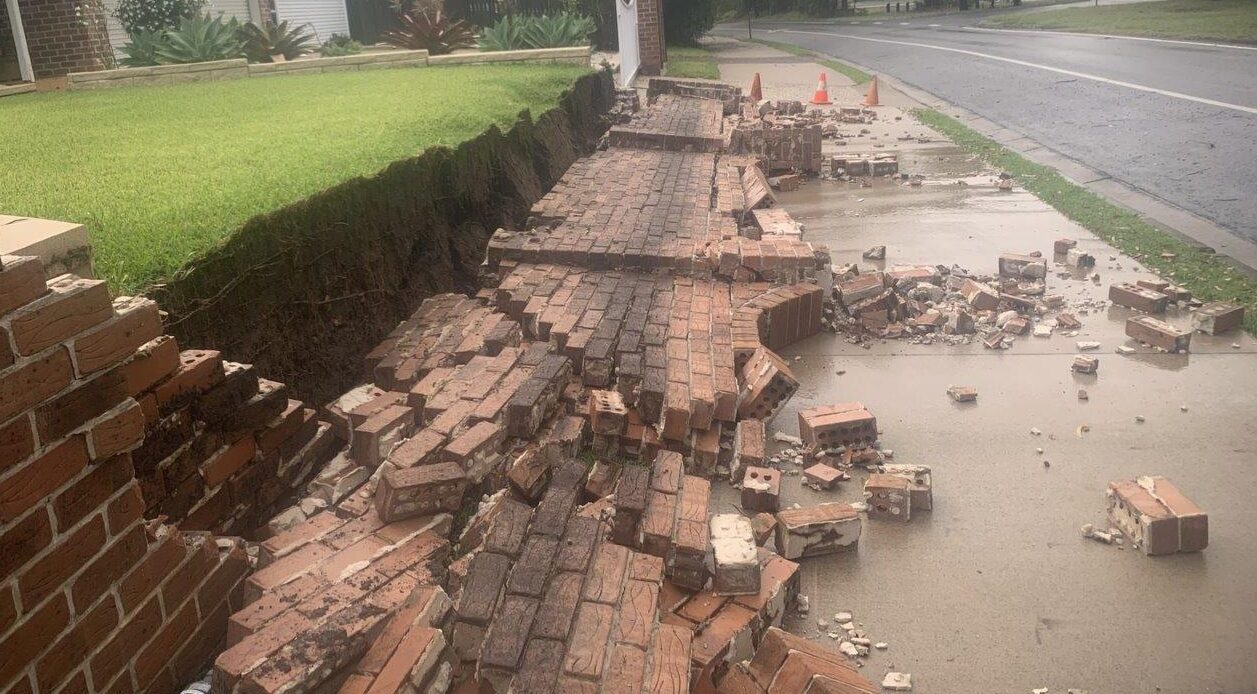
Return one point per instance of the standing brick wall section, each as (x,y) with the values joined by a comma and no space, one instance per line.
(93,597)
(57,39)
(650,36)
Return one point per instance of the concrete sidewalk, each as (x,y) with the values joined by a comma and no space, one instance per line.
(995,590)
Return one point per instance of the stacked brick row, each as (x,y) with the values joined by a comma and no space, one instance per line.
(548,605)
(786,146)
(633,208)
(663,512)
(92,598)
(673,123)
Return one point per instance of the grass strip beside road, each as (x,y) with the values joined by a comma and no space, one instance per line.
(1204,274)
(854,74)
(693,62)
(160,174)
(1232,21)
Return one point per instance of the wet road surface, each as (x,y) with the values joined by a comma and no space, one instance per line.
(1175,120)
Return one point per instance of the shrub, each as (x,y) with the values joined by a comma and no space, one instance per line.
(508,34)
(201,39)
(435,33)
(262,42)
(603,14)
(339,45)
(684,22)
(141,50)
(138,16)
(514,32)
(556,31)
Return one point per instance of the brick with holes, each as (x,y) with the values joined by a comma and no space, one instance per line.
(761,489)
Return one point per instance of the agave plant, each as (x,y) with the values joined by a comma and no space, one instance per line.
(141,50)
(556,31)
(508,34)
(434,32)
(262,42)
(201,39)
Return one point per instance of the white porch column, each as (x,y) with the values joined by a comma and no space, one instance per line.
(19,40)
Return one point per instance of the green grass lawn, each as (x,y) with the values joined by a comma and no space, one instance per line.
(1208,278)
(160,174)
(1219,20)
(691,61)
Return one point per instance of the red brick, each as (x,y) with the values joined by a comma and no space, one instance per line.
(126,509)
(21,282)
(7,357)
(21,541)
(638,606)
(120,429)
(84,402)
(199,650)
(136,321)
(40,477)
(231,569)
(182,583)
(670,660)
(606,575)
(420,644)
(281,428)
(148,574)
(98,576)
(279,572)
(17,441)
(91,491)
(228,460)
(23,387)
(67,654)
(238,660)
(161,649)
(199,369)
(19,648)
(152,362)
(588,648)
(260,612)
(128,640)
(72,306)
(285,543)
(8,608)
(625,671)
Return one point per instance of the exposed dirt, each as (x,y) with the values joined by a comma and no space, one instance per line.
(304,292)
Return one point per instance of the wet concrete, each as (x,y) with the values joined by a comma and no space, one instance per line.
(996,590)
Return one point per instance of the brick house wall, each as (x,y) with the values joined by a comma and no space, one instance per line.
(57,39)
(650,36)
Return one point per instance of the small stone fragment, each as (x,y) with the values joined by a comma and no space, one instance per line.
(897,682)
(875,253)
(1082,394)
(962,393)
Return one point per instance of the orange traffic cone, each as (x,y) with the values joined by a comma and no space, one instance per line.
(757,91)
(870,99)
(822,91)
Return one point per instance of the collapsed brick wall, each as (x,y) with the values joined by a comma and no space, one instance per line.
(92,597)
(305,290)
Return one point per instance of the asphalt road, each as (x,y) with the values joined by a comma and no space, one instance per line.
(1174,120)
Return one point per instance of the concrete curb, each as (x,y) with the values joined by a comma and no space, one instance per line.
(1175,221)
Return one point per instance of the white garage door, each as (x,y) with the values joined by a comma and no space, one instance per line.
(325,17)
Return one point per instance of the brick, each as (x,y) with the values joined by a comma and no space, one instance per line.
(152,362)
(606,575)
(476,450)
(1156,516)
(40,477)
(72,306)
(119,430)
(484,583)
(737,568)
(136,321)
(558,607)
(508,529)
(1137,297)
(1158,333)
(200,560)
(125,509)
(417,657)
(421,449)
(198,371)
(23,540)
(669,666)
(505,641)
(587,650)
(84,402)
(761,489)
(820,529)
(17,441)
(831,426)
(22,387)
(376,437)
(21,282)
(23,644)
(67,653)
(420,490)
(1218,317)
(51,573)
(543,661)
(102,572)
(91,491)
(636,617)
(626,670)
(577,546)
(228,460)
(154,657)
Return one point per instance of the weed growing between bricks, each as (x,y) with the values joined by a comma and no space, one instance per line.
(1208,277)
